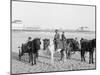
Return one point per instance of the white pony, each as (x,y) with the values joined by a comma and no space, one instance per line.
(66,47)
(52,50)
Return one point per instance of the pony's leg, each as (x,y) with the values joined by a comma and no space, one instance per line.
(52,58)
(66,54)
(89,57)
(82,55)
(92,57)
(29,57)
(56,46)
(62,54)
(19,55)
(35,56)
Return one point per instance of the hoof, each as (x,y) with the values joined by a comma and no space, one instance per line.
(89,63)
(32,64)
(19,59)
(29,61)
(59,59)
(68,58)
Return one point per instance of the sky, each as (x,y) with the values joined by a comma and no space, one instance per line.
(53,16)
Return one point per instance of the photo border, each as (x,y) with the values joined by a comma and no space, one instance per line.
(50,3)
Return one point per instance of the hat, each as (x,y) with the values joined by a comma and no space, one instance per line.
(63,32)
(29,38)
(56,30)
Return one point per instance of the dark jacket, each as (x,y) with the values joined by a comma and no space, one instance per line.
(29,44)
(63,37)
(57,36)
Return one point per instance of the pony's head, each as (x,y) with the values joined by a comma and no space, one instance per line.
(36,43)
(46,43)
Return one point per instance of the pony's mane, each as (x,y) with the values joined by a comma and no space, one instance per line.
(51,42)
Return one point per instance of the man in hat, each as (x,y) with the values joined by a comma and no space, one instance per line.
(56,39)
(28,42)
(63,36)
(76,43)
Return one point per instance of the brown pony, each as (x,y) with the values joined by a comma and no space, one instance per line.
(32,50)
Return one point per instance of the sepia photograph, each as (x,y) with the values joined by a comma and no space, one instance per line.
(52,37)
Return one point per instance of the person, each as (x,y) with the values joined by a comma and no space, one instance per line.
(56,39)
(63,36)
(28,42)
(29,39)
(76,40)
(76,43)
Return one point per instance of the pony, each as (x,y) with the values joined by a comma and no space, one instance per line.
(87,46)
(61,49)
(32,50)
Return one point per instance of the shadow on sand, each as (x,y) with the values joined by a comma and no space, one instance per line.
(25,58)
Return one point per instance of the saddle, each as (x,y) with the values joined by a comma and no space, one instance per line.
(60,44)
